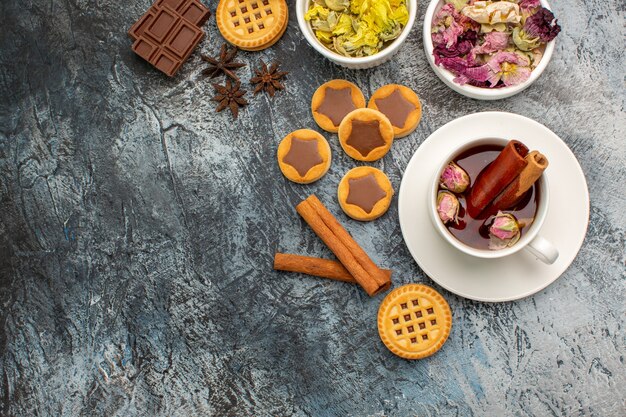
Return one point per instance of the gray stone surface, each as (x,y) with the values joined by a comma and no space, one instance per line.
(137,230)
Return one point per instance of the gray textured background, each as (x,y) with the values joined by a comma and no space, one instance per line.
(137,230)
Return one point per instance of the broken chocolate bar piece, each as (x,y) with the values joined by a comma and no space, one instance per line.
(168,32)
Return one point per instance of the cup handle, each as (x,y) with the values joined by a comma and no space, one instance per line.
(543,250)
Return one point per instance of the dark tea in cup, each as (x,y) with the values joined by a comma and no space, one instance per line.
(488,194)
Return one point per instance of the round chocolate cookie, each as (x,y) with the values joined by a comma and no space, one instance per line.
(332,101)
(304,156)
(365,193)
(401,106)
(366,134)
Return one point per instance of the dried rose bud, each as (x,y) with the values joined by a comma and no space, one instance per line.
(454,178)
(448,207)
(504,231)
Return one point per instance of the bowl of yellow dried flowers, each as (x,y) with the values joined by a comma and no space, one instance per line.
(356,33)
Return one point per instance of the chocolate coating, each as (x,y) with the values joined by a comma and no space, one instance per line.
(365,192)
(303,155)
(365,136)
(395,107)
(336,104)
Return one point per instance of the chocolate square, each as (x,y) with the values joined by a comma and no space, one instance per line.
(176,5)
(162,25)
(144,48)
(183,39)
(166,63)
(195,12)
(140,25)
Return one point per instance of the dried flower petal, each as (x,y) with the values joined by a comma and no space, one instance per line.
(448,207)
(514,74)
(337,5)
(447,26)
(480,74)
(504,231)
(493,42)
(464,45)
(495,63)
(491,13)
(528,4)
(538,29)
(454,178)
(458,4)
(455,65)
(357,27)
(509,67)
(542,25)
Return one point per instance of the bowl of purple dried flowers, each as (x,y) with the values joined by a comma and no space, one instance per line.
(489,50)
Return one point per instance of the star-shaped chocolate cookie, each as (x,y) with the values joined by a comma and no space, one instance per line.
(303,155)
(365,136)
(396,108)
(365,192)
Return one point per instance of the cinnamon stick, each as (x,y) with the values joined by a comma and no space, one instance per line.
(324,268)
(537,163)
(339,241)
(496,176)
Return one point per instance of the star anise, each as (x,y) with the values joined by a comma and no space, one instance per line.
(230,96)
(268,79)
(224,64)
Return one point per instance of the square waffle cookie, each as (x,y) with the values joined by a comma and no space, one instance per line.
(252,25)
(414,321)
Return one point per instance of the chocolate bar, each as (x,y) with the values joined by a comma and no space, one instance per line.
(168,32)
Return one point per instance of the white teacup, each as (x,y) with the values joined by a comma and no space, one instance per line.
(530,240)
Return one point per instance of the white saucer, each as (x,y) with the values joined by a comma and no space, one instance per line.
(515,276)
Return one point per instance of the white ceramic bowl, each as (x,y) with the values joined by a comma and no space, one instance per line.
(361,62)
(469,90)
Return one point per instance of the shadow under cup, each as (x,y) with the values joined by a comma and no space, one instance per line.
(528,235)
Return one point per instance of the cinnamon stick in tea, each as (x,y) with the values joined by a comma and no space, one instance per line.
(537,163)
(318,267)
(352,256)
(493,179)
